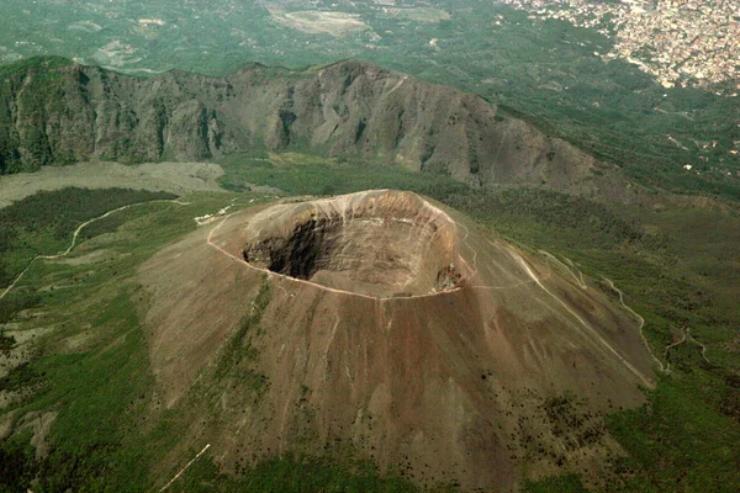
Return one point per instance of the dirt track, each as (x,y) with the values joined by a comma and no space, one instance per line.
(75,235)
(663,368)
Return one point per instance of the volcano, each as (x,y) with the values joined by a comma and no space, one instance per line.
(380,245)
(387,325)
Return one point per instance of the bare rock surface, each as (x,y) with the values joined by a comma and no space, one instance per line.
(347,109)
(381,244)
(345,338)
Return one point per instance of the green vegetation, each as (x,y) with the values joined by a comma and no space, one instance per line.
(36,64)
(689,444)
(39,80)
(291,474)
(299,174)
(15,302)
(103,437)
(304,174)
(99,391)
(239,354)
(19,377)
(17,464)
(6,343)
(42,224)
(92,370)
(569,484)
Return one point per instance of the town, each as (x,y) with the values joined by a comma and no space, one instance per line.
(679,42)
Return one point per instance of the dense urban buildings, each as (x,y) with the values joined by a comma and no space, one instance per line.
(680,42)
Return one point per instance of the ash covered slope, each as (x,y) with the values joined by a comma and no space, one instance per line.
(468,365)
(51,114)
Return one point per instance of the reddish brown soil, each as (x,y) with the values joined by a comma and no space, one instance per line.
(460,382)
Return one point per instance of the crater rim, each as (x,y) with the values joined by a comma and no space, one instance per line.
(378,244)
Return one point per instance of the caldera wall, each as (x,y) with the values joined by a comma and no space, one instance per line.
(382,243)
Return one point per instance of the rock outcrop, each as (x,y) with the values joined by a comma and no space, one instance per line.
(384,245)
(57,114)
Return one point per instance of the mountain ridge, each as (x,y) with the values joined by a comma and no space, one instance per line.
(55,113)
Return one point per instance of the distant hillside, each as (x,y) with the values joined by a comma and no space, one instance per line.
(53,111)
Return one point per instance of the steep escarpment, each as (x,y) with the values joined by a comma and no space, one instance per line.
(76,113)
(53,114)
(378,245)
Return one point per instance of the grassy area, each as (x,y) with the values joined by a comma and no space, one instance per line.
(292,474)
(303,174)
(568,483)
(299,174)
(42,224)
(33,64)
(99,389)
(681,441)
(109,434)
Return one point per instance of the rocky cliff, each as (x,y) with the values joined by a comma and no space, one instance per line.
(63,112)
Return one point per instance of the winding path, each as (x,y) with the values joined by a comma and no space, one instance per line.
(76,234)
(686,337)
(584,324)
(663,368)
(576,274)
(570,267)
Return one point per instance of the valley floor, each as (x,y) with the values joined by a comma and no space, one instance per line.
(177,178)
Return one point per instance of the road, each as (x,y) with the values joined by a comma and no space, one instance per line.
(76,235)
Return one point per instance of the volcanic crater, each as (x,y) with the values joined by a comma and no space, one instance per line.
(386,324)
(386,244)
